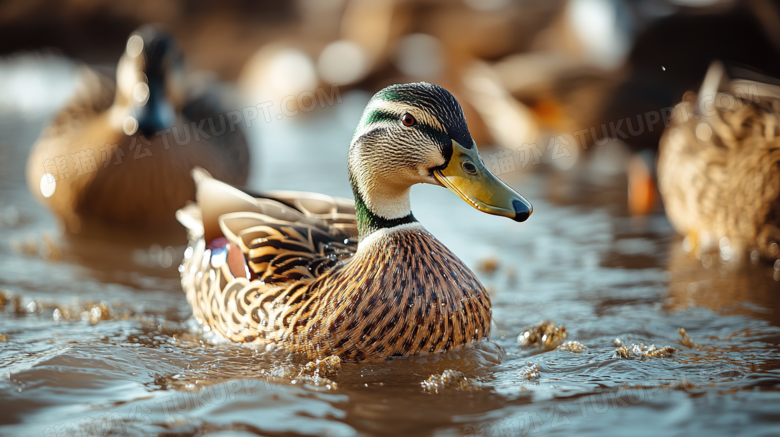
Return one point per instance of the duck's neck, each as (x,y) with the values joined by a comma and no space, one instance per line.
(157,114)
(379,204)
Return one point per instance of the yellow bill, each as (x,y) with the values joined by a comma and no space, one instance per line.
(467,176)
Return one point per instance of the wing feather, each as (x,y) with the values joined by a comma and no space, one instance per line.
(285,236)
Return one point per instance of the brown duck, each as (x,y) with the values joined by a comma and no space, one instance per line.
(719,166)
(359,279)
(121,151)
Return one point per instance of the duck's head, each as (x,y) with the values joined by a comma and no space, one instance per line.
(417,133)
(150,80)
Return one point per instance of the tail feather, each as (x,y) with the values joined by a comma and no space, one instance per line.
(216,199)
(190,217)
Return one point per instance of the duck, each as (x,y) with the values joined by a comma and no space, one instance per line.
(120,152)
(361,279)
(719,166)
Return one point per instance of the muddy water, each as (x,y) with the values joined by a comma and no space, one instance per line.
(96,336)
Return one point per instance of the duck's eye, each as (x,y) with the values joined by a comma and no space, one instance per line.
(408,120)
(469,167)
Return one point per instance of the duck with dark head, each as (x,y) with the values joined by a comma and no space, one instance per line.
(110,157)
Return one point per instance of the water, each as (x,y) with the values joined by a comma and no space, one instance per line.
(96,338)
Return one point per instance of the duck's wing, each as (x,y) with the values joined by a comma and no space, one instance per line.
(285,236)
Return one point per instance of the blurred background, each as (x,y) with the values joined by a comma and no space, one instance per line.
(560,96)
(524,70)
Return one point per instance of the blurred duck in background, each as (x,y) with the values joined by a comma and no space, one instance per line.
(719,168)
(121,151)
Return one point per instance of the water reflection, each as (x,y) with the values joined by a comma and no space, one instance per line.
(746,288)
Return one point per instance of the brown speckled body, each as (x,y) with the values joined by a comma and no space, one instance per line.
(725,181)
(401,293)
